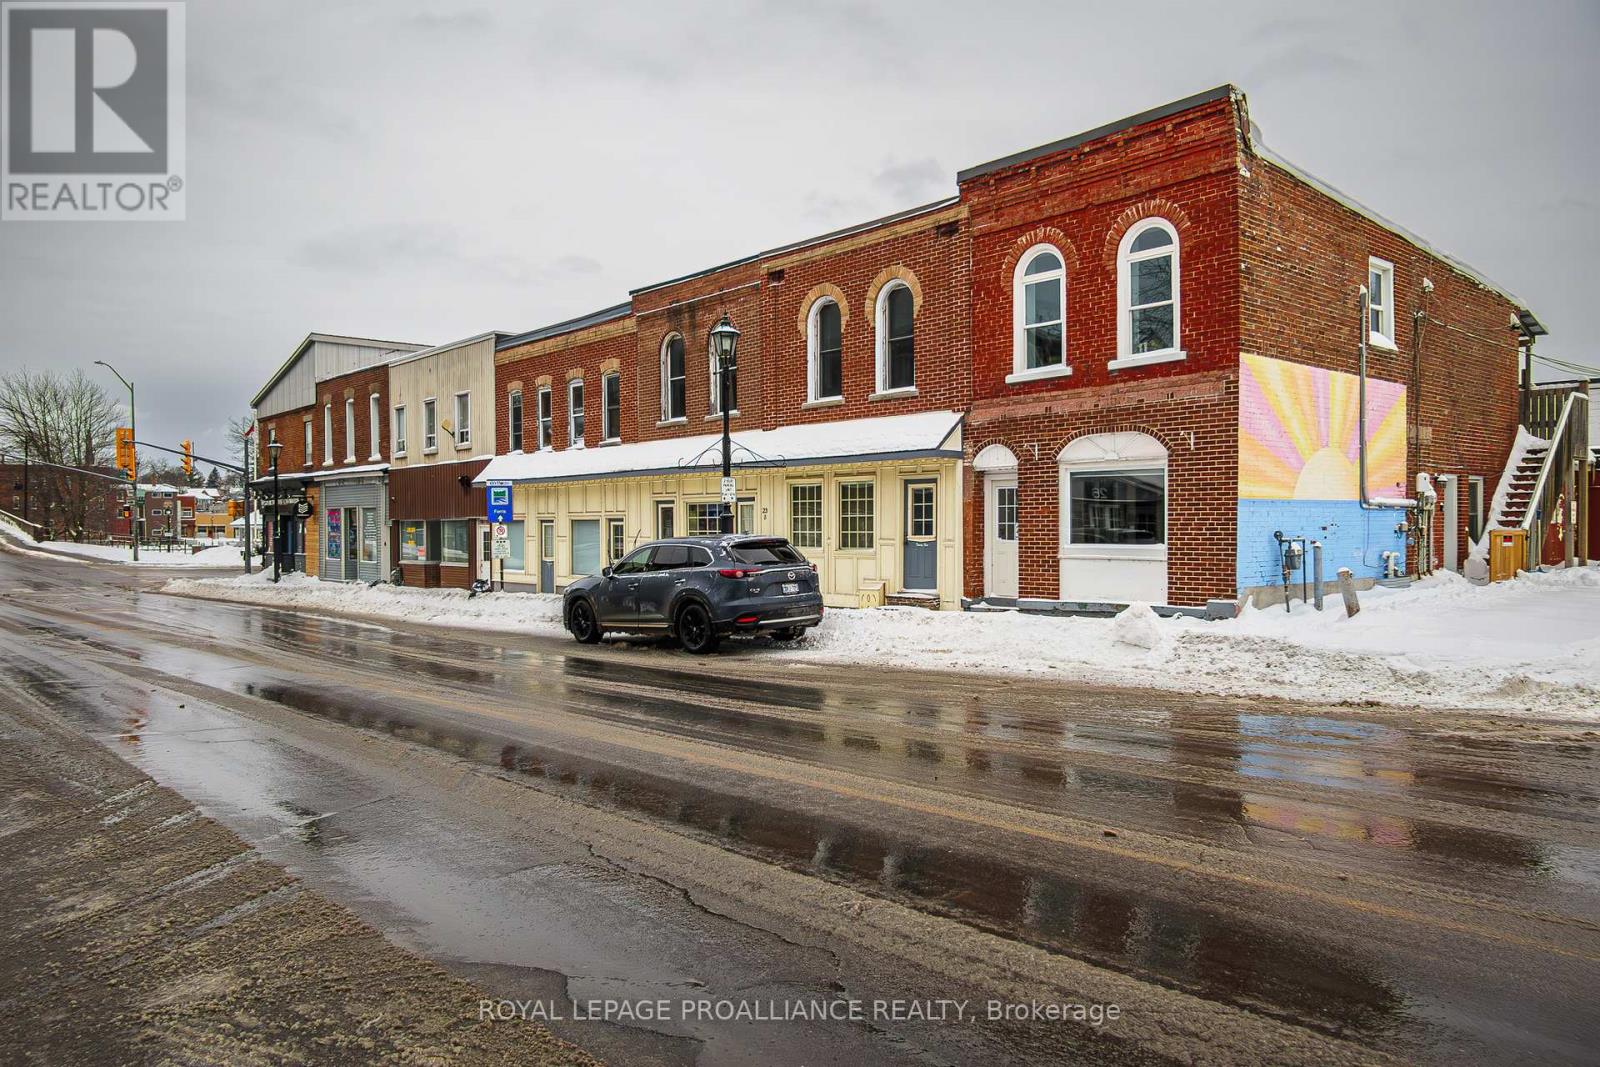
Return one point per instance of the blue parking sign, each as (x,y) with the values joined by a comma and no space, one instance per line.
(499,501)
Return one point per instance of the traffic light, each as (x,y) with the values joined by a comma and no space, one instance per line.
(188,458)
(125,453)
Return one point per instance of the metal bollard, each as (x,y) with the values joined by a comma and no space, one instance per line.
(1347,589)
(1316,569)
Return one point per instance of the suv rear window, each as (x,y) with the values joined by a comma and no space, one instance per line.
(759,552)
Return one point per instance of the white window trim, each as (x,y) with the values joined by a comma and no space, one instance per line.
(427,448)
(327,434)
(311,441)
(349,429)
(1020,371)
(542,440)
(574,438)
(374,430)
(397,431)
(1129,452)
(880,329)
(1125,355)
(463,438)
(1377,338)
(667,417)
(516,420)
(814,353)
(610,435)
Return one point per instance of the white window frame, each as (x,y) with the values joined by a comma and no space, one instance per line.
(516,413)
(375,425)
(814,352)
(574,408)
(881,341)
(1125,259)
(610,434)
(1381,338)
(616,531)
(311,440)
(398,431)
(327,434)
(667,417)
(821,516)
(1020,371)
(463,406)
(349,429)
(430,414)
(544,418)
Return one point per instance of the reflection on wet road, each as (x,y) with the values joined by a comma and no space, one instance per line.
(1425,887)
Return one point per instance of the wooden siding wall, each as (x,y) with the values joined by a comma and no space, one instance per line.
(434,491)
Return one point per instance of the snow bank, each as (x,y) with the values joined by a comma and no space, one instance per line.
(219,556)
(1532,645)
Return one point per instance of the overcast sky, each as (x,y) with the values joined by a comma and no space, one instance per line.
(425,171)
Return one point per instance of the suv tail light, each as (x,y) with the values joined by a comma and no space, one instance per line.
(737,572)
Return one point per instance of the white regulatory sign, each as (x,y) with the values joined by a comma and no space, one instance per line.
(501,548)
(730,493)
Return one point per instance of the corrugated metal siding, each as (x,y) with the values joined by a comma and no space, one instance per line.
(356,494)
(435,491)
(331,359)
(295,389)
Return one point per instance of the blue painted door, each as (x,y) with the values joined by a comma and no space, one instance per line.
(921,542)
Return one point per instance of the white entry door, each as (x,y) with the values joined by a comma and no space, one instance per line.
(1000,536)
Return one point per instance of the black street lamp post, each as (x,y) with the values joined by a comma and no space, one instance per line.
(725,343)
(277,514)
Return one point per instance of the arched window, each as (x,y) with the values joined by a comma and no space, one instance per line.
(1148,297)
(824,350)
(1039,315)
(673,381)
(716,381)
(897,360)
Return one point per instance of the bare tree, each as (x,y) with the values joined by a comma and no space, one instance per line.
(241,436)
(65,419)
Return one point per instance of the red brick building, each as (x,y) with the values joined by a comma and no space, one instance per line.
(1152,332)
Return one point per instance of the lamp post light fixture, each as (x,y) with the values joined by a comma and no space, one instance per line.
(277,513)
(133,435)
(725,344)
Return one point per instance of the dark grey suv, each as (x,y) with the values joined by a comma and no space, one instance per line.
(699,589)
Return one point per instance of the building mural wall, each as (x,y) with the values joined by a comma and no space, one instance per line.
(1299,472)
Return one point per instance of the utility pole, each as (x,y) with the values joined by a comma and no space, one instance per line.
(277,516)
(247,439)
(133,429)
(26,478)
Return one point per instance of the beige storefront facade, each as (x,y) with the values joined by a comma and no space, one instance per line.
(881,521)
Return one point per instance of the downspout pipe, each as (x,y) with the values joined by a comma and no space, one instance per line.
(1368,502)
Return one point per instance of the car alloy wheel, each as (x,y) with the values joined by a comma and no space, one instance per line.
(583,625)
(695,632)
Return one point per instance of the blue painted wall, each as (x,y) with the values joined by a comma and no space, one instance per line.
(1351,537)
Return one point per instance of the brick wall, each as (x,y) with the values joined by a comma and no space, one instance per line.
(290,426)
(590,353)
(1195,417)
(1303,256)
(930,254)
(357,386)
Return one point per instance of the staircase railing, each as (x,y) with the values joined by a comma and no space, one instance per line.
(1568,439)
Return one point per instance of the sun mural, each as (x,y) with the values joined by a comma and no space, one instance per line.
(1298,431)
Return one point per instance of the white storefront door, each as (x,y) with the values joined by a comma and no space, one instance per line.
(1000,537)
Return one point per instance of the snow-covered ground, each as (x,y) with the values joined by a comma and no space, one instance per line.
(216,557)
(1531,645)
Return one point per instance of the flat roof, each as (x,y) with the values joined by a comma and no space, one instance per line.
(1155,114)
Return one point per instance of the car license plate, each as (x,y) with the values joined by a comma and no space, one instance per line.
(790,588)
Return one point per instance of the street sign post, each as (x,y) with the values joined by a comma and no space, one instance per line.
(502,541)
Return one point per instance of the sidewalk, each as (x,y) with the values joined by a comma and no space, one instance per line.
(138,931)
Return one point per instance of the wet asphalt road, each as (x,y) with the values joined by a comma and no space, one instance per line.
(1248,880)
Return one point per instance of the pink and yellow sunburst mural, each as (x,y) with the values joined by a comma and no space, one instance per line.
(1299,430)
